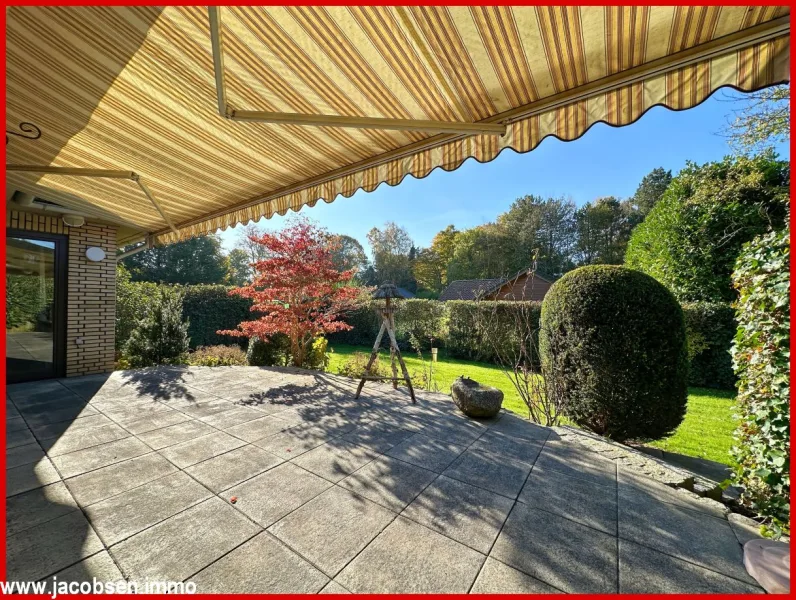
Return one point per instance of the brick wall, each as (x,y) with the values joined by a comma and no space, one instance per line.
(91,290)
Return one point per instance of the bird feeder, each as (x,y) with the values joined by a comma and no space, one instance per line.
(389,293)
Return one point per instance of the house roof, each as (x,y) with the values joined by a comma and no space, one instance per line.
(181,120)
(468,289)
(501,282)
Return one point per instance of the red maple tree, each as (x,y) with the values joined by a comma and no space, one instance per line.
(297,289)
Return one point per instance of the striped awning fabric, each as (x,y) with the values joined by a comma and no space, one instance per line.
(133,89)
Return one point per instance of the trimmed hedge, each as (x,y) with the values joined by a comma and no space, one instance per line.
(761,360)
(210,308)
(710,328)
(27,304)
(614,354)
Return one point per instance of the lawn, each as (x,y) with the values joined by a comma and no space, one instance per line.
(706,431)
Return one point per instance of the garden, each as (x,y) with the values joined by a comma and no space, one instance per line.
(648,352)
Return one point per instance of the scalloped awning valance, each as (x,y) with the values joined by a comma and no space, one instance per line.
(270,108)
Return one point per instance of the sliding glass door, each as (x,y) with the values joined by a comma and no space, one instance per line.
(35,305)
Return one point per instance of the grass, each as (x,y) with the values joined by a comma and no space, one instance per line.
(706,431)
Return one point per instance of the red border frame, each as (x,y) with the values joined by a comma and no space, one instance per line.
(329,3)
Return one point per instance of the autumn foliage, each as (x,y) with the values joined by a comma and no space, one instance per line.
(296,289)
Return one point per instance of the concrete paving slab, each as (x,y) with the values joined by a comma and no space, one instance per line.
(332,528)
(497,578)
(407,558)
(576,499)
(131,414)
(20,437)
(179,547)
(60,414)
(156,421)
(557,551)
(467,514)
(634,487)
(690,535)
(80,439)
(175,434)
(230,418)
(519,428)
(232,468)
(31,476)
(335,460)
(99,566)
(125,514)
(52,430)
(389,482)
(515,449)
(376,436)
(645,571)
(117,478)
(23,455)
(490,471)
(263,565)
(452,430)
(293,442)
(32,508)
(100,456)
(334,588)
(204,408)
(577,461)
(259,428)
(429,453)
(47,548)
(15,424)
(270,496)
(195,451)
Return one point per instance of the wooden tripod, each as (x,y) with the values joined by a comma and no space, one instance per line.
(388,325)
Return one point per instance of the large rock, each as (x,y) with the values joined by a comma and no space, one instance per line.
(474,399)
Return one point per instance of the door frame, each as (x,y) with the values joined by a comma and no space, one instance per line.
(60,290)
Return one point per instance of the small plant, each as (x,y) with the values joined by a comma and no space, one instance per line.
(161,336)
(217,356)
(273,352)
(425,379)
(354,367)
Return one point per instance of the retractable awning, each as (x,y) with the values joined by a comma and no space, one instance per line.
(212,117)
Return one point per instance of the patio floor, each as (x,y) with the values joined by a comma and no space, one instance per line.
(131,476)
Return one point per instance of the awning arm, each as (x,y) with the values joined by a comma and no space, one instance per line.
(99,173)
(255,116)
(141,247)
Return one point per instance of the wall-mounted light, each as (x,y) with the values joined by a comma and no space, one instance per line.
(95,254)
(74,220)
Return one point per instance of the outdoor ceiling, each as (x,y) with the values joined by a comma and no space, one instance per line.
(134,89)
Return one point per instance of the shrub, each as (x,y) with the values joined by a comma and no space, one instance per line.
(132,302)
(690,240)
(710,327)
(217,356)
(760,357)
(317,358)
(613,347)
(28,302)
(161,336)
(273,352)
(354,367)
(210,308)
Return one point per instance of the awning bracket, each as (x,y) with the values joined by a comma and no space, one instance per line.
(99,173)
(257,116)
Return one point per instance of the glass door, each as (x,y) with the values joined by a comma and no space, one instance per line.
(35,294)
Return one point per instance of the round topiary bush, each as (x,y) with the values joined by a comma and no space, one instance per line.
(613,350)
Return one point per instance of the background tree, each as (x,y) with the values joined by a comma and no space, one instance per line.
(763,119)
(239,271)
(160,336)
(245,242)
(196,260)
(349,254)
(602,230)
(391,247)
(297,289)
(430,267)
(651,190)
(481,253)
(691,239)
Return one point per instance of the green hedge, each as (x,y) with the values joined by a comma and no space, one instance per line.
(710,328)
(761,360)
(210,308)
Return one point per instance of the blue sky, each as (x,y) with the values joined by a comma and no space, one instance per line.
(607,161)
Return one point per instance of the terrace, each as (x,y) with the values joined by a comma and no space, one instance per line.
(132,475)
